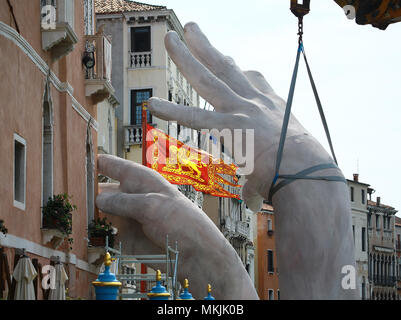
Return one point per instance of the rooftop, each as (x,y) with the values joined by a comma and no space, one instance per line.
(373,203)
(117,6)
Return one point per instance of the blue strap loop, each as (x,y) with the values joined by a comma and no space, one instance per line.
(302,174)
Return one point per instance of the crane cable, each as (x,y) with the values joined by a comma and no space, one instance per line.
(304,174)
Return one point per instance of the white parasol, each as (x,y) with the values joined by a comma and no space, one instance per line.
(58,293)
(24,273)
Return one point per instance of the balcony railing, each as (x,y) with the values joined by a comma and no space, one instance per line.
(133,135)
(98,78)
(100,45)
(140,59)
(389,281)
(243,229)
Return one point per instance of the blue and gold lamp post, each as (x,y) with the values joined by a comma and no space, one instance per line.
(158,292)
(209,293)
(185,295)
(106,285)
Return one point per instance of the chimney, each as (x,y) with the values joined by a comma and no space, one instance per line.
(356,177)
(378,201)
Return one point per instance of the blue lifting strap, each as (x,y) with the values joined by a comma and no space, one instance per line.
(287,179)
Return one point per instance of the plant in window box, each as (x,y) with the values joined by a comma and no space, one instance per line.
(57,214)
(3,229)
(98,229)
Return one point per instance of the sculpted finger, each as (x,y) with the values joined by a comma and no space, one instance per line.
(220,65)
(212,89)
(141,207)
(258,81)
(252,199)
(109,187)
(192,117)
(111,166)
(133,177)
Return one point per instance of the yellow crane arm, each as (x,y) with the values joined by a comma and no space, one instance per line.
(378,13)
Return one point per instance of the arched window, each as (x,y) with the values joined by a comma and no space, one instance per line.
(90,168)
(47,145)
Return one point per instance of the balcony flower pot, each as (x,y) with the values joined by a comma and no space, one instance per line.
(57,214)
(98,230)
(97,241)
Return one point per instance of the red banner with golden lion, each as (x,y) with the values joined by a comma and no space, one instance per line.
(184,165)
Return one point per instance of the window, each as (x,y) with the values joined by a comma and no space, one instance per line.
(140,39)
(270,262)
(353,233)
(388,223)
(271,294)
(19,171)
(363,239)
(377,221)
(47,147)
(369,220)
(352,194)
(137,97)
(363,196)
(269,225)
(278,294)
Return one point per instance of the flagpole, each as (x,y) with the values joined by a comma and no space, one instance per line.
(144,162)
(144,131)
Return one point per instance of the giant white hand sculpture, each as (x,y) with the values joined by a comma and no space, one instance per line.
(313,218)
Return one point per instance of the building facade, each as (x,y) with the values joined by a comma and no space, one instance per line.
(49,130)
(358,195)
(382,253)
(267,270)
(398,254)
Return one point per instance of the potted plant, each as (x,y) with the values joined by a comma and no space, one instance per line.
(98,229)
(57,214)
(3,229)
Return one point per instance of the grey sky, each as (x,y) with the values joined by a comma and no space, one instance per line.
(357,70)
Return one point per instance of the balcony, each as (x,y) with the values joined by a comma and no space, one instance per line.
(133,135)
(57,27)
(242,230)
(98,78)
(389,281)
(229,225)
(140,60)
